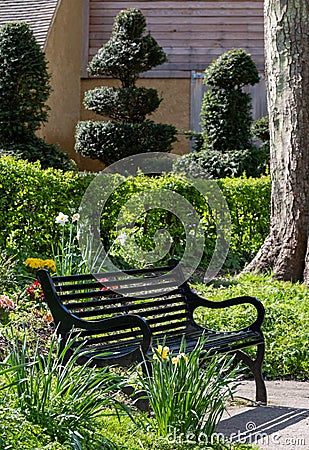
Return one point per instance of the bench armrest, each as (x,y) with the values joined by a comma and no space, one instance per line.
(111,324)
(196,301)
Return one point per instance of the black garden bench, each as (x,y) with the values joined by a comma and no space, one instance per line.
(118,317)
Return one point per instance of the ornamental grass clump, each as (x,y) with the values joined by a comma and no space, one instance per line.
(187,392)
(54,392)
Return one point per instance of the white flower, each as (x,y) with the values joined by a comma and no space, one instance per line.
(61,219)
(75,217)
(121,238)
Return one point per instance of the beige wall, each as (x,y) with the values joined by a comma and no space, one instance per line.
(174,108)
(63,53)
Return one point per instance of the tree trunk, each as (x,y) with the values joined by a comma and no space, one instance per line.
(286,248)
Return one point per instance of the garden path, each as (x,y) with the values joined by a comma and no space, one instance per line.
(281,425)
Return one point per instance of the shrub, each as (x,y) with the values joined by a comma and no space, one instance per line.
(225,147)
(32,148)
(248,202)
(233,69)
(128,104)
(226,120)
(226,116)
(260,129)
(111,141)
(128,52)
(213,164)
(31,199)
(24,90)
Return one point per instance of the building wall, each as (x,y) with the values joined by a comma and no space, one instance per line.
(63,51)
(192,33)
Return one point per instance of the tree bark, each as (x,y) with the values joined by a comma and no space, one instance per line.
(286,248)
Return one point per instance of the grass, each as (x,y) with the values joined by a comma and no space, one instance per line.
(286,326)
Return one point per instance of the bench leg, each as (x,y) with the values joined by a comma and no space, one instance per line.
(256,366)
(139,399)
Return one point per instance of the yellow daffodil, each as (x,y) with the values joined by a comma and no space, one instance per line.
(176,359)
(161,352)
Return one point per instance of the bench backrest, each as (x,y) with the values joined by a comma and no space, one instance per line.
(153,294)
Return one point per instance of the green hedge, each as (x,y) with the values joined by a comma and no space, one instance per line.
(31,198)
(249,205)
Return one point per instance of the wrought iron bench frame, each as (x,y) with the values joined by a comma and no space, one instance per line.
(118,317)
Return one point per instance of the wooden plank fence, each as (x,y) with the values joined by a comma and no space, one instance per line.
(192,33)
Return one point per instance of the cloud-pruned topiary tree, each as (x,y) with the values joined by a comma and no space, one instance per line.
(128,53)
(24,90)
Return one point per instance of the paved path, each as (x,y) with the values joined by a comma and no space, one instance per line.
(281,425)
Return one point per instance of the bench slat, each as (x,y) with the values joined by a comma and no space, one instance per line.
(142,310)
(110,282)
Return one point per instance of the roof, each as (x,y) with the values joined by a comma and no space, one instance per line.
(38,14)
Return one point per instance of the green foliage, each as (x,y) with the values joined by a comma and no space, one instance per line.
(24,80)
(127,53)
(130,104)
(112,141)
(30,200)
(286,321)
(187,393)
(24,90)
(260,129)
(32,148)
(54,392)
(248,202)
(225,146)
(213,164)
(234,68)
(226,120)
(16,429)
(8,274)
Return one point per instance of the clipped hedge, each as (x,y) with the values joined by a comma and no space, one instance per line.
(248,202)
(31,198)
